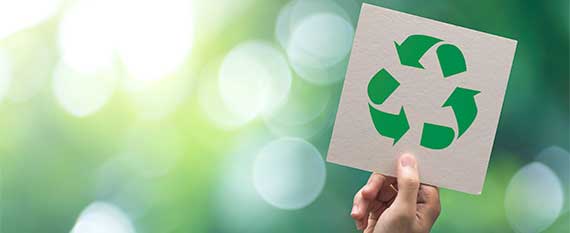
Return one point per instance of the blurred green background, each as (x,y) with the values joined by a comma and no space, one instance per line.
(215,116)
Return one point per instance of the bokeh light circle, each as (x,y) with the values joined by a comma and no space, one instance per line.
(87,40)
(102,217)
(295,11)
(254,78)
(558,159)
(19,15)
(289,173)
(152,38)
(533,199)
(157,36)
(211,102)
(318,43)
(82,94)
(322,39)
(317,36)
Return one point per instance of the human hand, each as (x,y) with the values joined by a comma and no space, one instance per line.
(411,208)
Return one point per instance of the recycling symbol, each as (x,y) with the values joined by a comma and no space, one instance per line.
(461,100)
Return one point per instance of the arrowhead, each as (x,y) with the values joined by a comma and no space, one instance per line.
(390,125)
(460,95)
(411,50)
(462,101)
(407,56)
(404,126)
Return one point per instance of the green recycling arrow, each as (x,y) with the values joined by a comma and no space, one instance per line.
(381,86)
(413,48)
(451,60)
(462,101)
(390,125)
(436,136)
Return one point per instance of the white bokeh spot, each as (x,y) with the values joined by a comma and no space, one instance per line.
(289,173)
(82,94)
(533,199)
(152,38)
(558,159)
(157,37)
(254,79)
(317,36)
(102,217)
(86,40)
(211,102)
(22,14)
(322,39)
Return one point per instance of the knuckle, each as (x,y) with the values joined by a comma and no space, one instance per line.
(377,177)
(410,182)
(367,193)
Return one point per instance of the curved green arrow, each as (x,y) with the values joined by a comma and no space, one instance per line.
(436,136)
(462,101)
(413,48)
(381,86)
(390,125)
(451,60)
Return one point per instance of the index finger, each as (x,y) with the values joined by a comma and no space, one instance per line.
(372,188)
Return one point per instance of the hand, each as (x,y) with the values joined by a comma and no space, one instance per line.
(411,208)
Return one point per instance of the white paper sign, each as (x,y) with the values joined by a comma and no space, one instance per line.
(419,86)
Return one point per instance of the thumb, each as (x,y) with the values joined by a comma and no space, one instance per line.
(408,183)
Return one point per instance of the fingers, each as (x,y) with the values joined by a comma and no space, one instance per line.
(365,198)
(359,210)
(372,221)
(408,184)
(376,209)
(372,188)
(430,206)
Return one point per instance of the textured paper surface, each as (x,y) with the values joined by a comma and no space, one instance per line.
(462,166)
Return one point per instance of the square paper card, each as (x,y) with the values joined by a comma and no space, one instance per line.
(419,86)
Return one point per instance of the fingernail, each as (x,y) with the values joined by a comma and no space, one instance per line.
(407,160)
(354,209)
